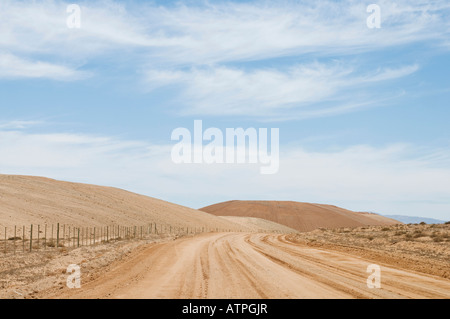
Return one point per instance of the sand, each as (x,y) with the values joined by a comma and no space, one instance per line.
(236,265)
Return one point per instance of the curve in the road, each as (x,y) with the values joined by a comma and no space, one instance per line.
(237,265)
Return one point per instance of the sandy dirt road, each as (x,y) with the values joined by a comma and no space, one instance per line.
(240,265)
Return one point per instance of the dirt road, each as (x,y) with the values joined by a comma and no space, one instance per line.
(237,265)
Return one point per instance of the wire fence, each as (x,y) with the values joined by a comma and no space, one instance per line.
(22,239)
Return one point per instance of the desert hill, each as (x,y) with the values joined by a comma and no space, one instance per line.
(299,216)
(26,200)
(260,225)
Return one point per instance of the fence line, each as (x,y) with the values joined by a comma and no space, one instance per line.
(76,237)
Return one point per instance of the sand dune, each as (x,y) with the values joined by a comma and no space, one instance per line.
(26,200)
(300,216)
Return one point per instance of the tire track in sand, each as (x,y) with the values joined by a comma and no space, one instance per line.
(239,265)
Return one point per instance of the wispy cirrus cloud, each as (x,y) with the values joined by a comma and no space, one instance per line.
(387,74)
(12,67)
(18,124)
(41,27)
(216,32)
(231,31)
(202,49)
(270,92)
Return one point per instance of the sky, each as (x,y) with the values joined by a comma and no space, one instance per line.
(363,113)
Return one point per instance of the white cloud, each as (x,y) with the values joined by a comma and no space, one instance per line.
(215,33)
(163,41)
(396,178)
(15,67)
(232,31)
(40,27)
(389,73)
(15,125)
(300,90)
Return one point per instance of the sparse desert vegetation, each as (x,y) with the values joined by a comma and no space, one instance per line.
(26,274)
(422,247)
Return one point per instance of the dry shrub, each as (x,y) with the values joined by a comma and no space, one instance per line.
(51,243)
(438,239)
(418,234)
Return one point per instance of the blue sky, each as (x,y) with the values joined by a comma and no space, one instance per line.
(363,113)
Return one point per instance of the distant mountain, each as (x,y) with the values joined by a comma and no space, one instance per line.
(415,219)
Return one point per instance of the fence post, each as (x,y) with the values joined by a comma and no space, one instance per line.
(23,239)
(31,238)
(39,227)
(45,239)
(15,228)
(78,241)
(57,235)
